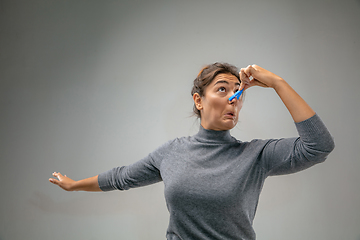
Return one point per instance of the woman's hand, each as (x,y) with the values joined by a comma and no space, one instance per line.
(254,75)
(63,181)
(89,184)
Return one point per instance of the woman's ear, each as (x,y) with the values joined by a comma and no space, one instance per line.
(197,101)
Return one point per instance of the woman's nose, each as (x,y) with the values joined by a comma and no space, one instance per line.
(233,100)
(236,95)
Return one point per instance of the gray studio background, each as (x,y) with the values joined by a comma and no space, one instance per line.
(89,85)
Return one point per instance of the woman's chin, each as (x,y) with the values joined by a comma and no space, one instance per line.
(223,125)
(228,126)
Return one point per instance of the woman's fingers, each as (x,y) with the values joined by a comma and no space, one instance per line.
(242,85)
(254,75)
(243,76)
(54,181)
(249,70)
(62,181)
(58,176)
(247,80)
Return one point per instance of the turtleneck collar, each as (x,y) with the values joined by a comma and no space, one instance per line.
(213,136)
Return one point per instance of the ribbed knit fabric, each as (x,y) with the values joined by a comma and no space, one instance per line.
(213,181)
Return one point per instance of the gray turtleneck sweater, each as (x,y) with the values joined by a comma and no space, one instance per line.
(213,181)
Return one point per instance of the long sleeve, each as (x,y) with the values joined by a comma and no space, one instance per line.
(138,174)
(284,156)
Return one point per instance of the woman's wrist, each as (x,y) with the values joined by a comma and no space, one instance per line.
(279,83)
(74,186)
(88,184)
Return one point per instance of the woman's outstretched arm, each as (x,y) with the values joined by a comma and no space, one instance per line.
(89,184)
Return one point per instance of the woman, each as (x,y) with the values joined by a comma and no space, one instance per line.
(213,181)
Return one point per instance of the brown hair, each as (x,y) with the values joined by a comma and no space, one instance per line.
(207,75)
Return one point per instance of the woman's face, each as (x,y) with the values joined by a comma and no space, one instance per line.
(217,112)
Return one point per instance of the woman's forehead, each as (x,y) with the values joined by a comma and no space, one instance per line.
(226,77)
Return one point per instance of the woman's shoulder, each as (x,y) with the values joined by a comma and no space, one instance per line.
(173,143)
(256,143)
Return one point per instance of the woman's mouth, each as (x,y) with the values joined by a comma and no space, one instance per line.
(230,115)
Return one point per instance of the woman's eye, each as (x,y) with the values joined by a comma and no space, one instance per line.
(222,89)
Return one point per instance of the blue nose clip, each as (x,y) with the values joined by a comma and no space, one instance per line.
(236,95)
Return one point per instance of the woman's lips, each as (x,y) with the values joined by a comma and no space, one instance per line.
(230,115)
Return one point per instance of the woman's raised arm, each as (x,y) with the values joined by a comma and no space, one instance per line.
(297,107)
(89,184)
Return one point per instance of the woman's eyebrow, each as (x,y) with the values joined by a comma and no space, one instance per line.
(223,81)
